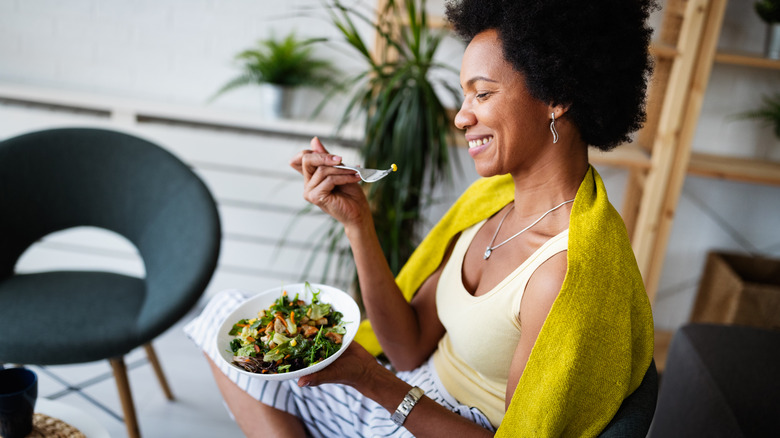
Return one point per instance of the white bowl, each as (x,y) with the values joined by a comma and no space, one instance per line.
(338,299)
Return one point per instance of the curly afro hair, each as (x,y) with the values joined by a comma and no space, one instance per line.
(590,55)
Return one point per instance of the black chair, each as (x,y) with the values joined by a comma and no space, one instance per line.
(635,414)
(62,178)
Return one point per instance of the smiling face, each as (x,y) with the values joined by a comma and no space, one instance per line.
(506,128)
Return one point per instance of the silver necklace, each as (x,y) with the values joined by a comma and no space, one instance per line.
(490,248)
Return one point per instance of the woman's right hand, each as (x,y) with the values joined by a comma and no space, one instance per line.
(335,191)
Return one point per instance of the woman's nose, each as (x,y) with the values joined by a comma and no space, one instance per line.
(465,117)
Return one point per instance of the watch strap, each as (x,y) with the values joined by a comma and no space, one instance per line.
(410,400)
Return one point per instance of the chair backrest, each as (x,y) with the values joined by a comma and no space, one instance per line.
(634,416)
(61,178)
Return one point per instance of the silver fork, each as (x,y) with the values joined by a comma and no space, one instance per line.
(369,175)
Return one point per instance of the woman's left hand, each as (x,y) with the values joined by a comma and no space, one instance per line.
(354,367)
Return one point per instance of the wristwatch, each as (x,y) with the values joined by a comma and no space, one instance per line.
(410,399)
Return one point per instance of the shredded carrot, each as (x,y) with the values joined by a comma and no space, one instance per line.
(284,292)
(288,356)
(257,348)
(250,339)
(292,317)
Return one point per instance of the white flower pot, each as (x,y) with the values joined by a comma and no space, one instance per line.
(277,101)
(772,48)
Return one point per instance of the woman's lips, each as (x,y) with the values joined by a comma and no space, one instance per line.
(478,144)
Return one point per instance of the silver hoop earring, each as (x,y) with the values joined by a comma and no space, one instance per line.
(552,128)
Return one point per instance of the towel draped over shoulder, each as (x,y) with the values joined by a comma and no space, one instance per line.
(597,341)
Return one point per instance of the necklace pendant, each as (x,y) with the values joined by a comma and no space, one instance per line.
(488,251)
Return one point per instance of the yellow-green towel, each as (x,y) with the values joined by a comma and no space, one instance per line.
(597,342)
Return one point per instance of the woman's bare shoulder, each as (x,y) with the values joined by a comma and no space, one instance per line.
(545,283)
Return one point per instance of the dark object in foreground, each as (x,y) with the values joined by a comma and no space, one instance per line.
(720,381)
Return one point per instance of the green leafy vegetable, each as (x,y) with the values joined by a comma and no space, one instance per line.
(246,350)
(319,311)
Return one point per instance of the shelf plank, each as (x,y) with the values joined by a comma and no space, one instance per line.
(663,51)
(626,155)
(132,111)
(747,60)
(735,169)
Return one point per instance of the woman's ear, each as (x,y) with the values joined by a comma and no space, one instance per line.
(557,109)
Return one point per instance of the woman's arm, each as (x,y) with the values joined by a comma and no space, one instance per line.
(357,368)
(540,294)
(407,332)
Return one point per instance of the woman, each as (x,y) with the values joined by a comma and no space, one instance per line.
(526,310)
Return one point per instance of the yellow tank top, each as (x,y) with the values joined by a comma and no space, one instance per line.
(474,356)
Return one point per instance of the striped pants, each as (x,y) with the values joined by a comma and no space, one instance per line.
(329,410)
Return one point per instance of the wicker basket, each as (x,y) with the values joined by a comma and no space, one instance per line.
(740,290)
(49,427)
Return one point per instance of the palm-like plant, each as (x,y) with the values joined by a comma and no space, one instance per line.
(405,121)
(768,10)
(768,113)
(288,62)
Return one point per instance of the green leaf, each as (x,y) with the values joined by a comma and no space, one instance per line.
(273,355)
(768,113)
(280,339)
(319,311)
(236,328)
(247,350)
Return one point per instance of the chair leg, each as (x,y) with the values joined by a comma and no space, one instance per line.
(158,370)
(123,385)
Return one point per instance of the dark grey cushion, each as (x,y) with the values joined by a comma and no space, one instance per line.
(720,381)
(62,178)
(66,317)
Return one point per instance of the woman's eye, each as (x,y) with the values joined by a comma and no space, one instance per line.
(483,96)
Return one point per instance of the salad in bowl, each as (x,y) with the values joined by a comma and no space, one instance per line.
(284,333)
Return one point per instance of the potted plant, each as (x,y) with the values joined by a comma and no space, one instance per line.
(396,97)
(769,11)
(768,112)
(277,67)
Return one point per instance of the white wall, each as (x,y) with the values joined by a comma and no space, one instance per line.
(180,51)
